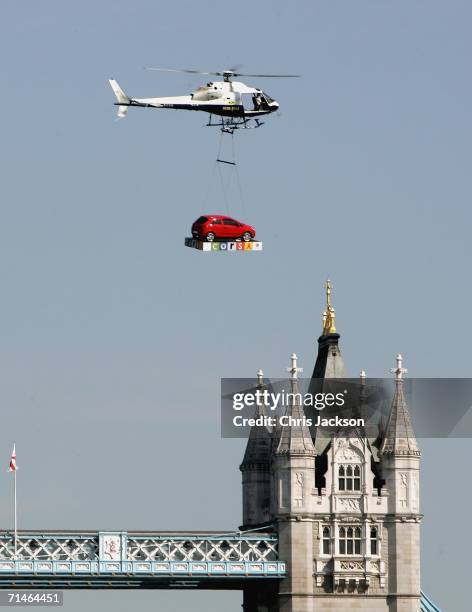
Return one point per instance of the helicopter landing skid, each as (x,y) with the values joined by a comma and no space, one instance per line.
(229,125)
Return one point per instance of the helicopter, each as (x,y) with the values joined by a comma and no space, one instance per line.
(226,99)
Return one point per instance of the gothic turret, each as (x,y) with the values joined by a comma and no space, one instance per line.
(400,461)
(399,436)
(255,470)
(329,362)
(293,501)
(295,439)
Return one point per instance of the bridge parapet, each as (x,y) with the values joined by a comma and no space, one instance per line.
(154,557)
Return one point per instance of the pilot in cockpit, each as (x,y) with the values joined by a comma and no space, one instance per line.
(257,100)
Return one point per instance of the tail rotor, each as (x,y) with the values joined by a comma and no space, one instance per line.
(123,100)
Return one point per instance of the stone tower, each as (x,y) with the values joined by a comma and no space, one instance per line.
(346,508)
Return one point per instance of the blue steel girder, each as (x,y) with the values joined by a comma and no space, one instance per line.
(118,559)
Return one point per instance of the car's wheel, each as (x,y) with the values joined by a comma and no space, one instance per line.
(210,237)
(247,237)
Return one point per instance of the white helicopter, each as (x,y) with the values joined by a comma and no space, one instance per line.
(226,99)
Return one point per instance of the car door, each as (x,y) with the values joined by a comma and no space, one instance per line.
(217,228)
(231,228)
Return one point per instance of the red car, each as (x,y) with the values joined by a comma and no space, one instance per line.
(219,227)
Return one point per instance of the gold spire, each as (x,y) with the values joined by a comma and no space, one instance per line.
(329,315)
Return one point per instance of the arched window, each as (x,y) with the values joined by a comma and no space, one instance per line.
(349,540)
(349,478)
(326,540)
(357,478)
(373,541)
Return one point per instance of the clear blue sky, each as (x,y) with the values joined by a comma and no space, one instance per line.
(114,336)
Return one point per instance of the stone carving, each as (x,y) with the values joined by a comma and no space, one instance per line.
(347,451)
(403,496)
(299,490)
(348,455)
(352,565)
(414,492)
(349,504)
(322,569)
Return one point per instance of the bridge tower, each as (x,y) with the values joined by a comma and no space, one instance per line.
(346,509)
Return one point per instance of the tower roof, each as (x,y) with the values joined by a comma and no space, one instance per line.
(329,364)
(295,438)
(399,435)
(259,444)
(329,361)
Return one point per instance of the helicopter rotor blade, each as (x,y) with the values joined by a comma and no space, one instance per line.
(231,72)
(268,76)
(188,71)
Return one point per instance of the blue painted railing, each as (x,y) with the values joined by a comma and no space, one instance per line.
(137,555)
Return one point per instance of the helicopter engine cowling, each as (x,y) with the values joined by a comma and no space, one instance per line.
(212,91)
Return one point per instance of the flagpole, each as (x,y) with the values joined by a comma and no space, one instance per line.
(13,467)
(16,521)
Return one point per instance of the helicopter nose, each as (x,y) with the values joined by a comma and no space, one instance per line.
(275,105)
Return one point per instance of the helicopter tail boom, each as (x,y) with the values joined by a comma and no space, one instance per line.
(121,97)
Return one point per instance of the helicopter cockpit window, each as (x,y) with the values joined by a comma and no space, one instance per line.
(268,99)
(257,101)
